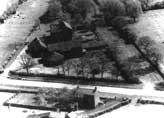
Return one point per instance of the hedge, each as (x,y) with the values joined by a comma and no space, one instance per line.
(59,76)
(150,102)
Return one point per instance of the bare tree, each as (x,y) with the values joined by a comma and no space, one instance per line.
(103,62)
(93,67)
(26,62)
(68,66)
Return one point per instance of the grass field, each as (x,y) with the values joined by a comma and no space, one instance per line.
(16,29)
(151,24)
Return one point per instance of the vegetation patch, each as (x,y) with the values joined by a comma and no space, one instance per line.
(143,101)
(160,86)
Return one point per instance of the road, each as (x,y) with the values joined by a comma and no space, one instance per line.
(5,81)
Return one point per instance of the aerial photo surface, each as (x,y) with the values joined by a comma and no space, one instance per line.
(81,58)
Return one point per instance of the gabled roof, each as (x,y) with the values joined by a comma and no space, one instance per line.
(42,43)
(67,25)
(55,57)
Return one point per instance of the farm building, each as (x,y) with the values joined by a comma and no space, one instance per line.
(70,49)
(59,46)
(60,31)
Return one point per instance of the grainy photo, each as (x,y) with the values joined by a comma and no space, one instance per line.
(81,58)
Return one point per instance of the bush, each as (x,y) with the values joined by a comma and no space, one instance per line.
(158,5)
(120,22)
(128,35)
(145,4)
(128,73)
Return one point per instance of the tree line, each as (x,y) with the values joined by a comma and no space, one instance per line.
(91,64)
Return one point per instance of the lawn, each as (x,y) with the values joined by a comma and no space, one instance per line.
(150,24)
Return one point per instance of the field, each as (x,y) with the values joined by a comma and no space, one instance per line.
(16,29)
(151,24)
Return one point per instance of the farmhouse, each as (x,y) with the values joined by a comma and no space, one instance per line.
(59,46)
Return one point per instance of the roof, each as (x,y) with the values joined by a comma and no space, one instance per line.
(67,25)
(64,46)
(94,44)
(41,43)
(55,57)
(88,91)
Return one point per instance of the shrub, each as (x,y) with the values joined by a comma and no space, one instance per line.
(128,35)
(120,22)
(127,71)
(145,4)
(151,49)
